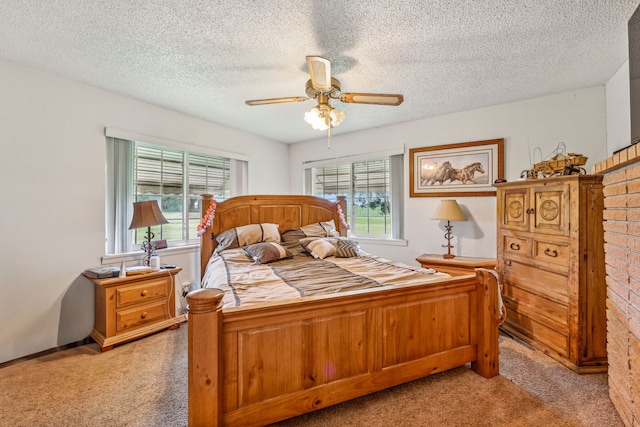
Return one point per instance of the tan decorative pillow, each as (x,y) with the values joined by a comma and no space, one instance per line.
(265,252)
(255,233)
(247,235)
(319,248)
(320,229)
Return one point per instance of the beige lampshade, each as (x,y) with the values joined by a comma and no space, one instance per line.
(448,210)
(147,214)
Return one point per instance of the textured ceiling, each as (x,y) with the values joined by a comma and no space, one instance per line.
(206,57)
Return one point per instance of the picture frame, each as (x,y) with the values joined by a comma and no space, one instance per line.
(462,169)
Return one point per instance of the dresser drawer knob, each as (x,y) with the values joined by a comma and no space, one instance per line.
(143,315)
(515,246)
(144,293)
(551,253)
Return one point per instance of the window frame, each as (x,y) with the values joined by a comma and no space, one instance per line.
(120,190)
(396,186)
(184,196)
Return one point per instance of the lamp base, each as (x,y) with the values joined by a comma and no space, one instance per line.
(147,247)
(447,236)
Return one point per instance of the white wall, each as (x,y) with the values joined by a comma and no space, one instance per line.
(618,104)
(575,118)
(52,167)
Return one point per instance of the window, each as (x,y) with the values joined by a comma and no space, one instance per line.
(175,178)
(163,174)
(373,189)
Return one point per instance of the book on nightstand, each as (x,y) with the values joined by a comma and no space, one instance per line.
(139,269)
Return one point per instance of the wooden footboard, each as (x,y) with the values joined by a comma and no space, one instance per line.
(261,364)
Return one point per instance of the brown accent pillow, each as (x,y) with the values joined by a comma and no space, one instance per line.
(266,252)
(318,247)
(292,235)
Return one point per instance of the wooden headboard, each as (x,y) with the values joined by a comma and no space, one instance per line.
(284,210)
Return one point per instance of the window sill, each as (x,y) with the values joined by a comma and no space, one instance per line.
(380,241)
(138,255)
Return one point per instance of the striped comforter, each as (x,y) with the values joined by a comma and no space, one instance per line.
(244,282)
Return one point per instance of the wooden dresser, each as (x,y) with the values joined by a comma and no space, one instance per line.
(551,260)
(134,306)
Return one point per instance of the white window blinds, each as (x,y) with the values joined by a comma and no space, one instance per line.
(373,189)
(176,178)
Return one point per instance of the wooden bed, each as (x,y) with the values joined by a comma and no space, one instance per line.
(264,363)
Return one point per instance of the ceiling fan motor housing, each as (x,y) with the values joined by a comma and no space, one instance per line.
(333,93)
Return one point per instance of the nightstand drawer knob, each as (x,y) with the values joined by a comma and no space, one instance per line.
(144,293)
(551,253)
(515,246)
(143,315)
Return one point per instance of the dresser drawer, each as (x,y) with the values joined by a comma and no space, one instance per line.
(552,314)
(537,281)
(532,331)
(555,253)
(134,317)
(516,246)
(147,291)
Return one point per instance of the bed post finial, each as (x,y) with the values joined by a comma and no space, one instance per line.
(205,363)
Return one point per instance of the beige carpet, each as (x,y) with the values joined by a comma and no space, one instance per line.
(144,383)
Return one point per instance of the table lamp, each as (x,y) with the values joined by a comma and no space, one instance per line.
(448,210)
(147,214)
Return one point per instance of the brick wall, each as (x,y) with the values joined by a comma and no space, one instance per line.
(622,258)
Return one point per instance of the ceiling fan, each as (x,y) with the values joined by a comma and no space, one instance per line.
(324,88)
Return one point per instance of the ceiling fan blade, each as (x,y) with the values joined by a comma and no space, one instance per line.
(320,71)
(372,98)
(276,100)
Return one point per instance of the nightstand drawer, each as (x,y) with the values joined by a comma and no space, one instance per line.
(126,319)
(147,291)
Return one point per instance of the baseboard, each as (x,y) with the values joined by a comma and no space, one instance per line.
(45,352)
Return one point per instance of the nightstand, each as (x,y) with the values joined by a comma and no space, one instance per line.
(457,266)
(132,307)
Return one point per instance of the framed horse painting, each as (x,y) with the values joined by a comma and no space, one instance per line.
(466,169)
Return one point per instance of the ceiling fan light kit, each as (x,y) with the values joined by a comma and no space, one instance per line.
(323,87)
(324,117)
